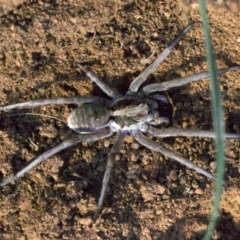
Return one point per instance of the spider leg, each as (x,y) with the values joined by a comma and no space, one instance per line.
(142,139)
(42,102)
(178,132)
(68,143)
(138,81)
(158,87)
(111,158)
(111,92)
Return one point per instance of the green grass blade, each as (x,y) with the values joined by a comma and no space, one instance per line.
(218,123)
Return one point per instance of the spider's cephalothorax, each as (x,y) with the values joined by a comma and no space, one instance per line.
(138,113)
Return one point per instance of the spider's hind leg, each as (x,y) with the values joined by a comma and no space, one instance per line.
(110,162)
(66,144)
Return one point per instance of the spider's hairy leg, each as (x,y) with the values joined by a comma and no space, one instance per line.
(111,158)
(179,132)
(68,143)
(142,139)
(138,81)
(158,87)
(58,101)
(110,91)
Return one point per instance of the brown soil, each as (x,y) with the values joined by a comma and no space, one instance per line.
(150,197)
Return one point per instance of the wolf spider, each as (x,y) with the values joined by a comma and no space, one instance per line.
(138,113)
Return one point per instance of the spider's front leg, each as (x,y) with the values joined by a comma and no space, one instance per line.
(110,91)
(138,81)
(177,82)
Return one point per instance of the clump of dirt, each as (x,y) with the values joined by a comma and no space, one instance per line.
(150,197)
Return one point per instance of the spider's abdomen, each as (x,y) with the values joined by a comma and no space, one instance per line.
(88,117)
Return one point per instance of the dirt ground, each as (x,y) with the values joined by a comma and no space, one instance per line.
(150,197)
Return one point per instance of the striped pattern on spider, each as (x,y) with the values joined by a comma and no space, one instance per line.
(138,113)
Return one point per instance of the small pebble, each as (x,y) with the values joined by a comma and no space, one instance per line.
(133,157)
(194,185)
(71,204)
(184,124)
(117,157)
(199,191)
(213,165)
(106,143)
(135,146)
(165,197)
(146,160)
(123,151)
